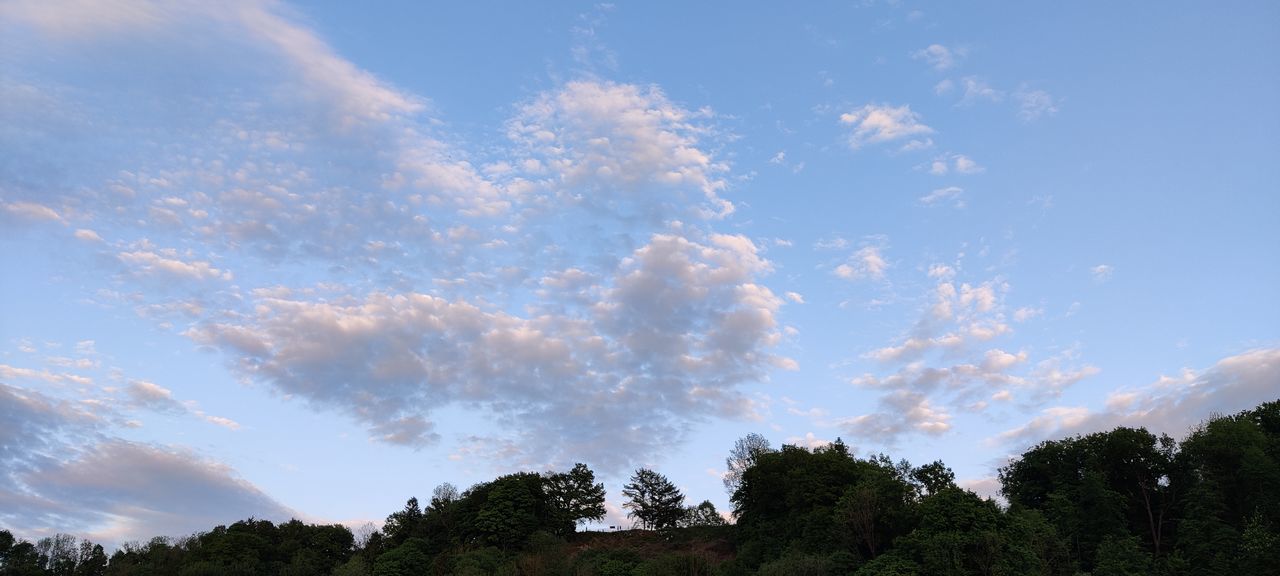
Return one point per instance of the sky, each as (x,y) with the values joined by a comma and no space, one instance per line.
(310,259)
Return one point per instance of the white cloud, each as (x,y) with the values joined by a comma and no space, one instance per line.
(809,440)
(941,272)
(795,297)
(976,89)
(997,360)
(966,165)
(125,490)
(878,124)
(866,263)
(666,340)
(1027,313)
(168,263)
(939,57)
(621,139)
(831,243)
(32,211)
(152,396)
(1033,104)
(60,466)
(961,164)
(902,412)
(1101,273)
(566,279)
(87,235)
(943,363)
(352,96)
(951,194)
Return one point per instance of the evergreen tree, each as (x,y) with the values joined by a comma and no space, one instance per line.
(653,500)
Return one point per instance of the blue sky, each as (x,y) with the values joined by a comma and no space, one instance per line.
(310,259)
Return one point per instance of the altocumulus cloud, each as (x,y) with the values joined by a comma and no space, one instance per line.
(568,281)
(948,361)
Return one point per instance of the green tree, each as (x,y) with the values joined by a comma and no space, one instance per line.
(1122,557)
(653,500)
(407,559)
(402,525)
(576,496)
(509,514)
(934,477)
(703,514)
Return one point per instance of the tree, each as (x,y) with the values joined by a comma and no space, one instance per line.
(744,455)
(92,561)
(934,477)
(703,514)
(401,525)
(576,495)
(654,501)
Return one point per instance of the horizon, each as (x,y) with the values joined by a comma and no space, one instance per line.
(308,259)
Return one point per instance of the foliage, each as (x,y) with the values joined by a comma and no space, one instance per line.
(576,495)
(653,500)
(703,514)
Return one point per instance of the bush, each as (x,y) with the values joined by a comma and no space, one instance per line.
(796,565)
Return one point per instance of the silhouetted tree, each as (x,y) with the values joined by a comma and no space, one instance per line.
(576,496)
(703,514)
(653,500)
(743,456)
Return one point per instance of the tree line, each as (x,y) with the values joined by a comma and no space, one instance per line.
(1124,502)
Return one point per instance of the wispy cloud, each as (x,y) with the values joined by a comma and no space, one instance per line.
(952,194)
(1034,104)
(940,57)
(1170,404)
(880,124)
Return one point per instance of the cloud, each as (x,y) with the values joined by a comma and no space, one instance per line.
(168,263)
(949,360)
(976,89)
(87,235)
(351,95)
(1170,404)
(62,470)
(879,124)
(32,211)
(961,164)
(939,57)
(809,440)
(626,143)
(949,194)
(152,396)
(902,412)
(1027,313)
(126,490)
(566,279)
(664,341)
(965,165)
(866,263)
(1033,104)
(1101,273)
(941,272)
